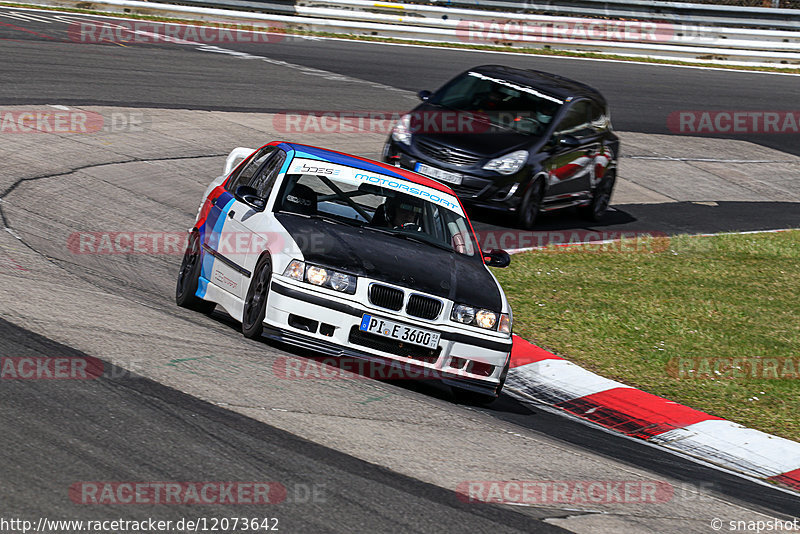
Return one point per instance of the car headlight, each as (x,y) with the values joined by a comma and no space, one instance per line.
(463,314)
(508,164)
(486,319)
(317,275)
(402,130)
(505,324)
(321,276)
(295,270)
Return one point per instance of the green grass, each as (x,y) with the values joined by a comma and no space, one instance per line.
(288,30)
(628,315)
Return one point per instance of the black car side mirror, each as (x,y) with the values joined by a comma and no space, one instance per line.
(497,258)
(568,141)
(248,195)
(424,95)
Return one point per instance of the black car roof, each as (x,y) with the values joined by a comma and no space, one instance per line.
(552,84)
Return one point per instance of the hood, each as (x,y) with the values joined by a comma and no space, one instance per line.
(380,256)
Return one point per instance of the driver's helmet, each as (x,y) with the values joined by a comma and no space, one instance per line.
(403,209)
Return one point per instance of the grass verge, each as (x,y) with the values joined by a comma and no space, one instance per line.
(682,317)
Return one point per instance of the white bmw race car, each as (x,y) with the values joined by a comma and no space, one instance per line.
(350,257)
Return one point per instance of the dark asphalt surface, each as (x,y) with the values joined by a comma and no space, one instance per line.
(41,64)
(124,428)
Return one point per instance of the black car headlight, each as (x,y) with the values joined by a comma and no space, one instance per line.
(320,276)
(508,164)
(481,318)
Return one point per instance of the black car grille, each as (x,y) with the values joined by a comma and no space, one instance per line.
(446,154)
(386,297)
(391,346)
(424,307)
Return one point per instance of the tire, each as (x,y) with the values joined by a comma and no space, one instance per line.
(601,197)
(189,274)
(255,304)
(531,205)
(465,396)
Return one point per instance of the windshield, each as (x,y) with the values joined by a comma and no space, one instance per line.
(504,103)
(377,202)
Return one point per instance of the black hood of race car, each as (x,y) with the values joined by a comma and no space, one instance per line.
(364,251)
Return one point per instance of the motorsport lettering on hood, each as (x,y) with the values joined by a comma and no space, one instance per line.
(356,177)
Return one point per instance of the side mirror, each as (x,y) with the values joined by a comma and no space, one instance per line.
(497,258)
(568,141)
(424,95)
(248,195)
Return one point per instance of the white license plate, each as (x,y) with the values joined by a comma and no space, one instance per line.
(400,332)
(439,174)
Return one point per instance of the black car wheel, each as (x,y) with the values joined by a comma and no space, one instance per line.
(255,305)
(186,288)
(595,210)
(531,205)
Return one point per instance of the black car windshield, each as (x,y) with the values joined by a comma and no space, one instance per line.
(376,202)
(502,102)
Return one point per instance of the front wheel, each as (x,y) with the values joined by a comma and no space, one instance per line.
(601,198)
(188,276)
(255,304)
(531,205)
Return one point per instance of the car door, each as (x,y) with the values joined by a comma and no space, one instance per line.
(570,166)
(220,265)
(244,233)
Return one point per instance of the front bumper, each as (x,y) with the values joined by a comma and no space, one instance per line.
(301,316)
(478,188)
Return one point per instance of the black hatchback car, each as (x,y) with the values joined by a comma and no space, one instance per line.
(522,141)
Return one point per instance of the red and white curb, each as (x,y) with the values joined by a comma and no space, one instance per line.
(539,374)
